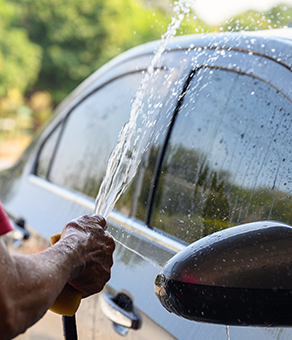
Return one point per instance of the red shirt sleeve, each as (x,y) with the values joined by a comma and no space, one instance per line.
(5,225)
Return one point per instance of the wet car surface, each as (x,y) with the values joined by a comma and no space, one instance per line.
(219,156)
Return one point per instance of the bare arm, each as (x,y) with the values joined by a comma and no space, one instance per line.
(30,284)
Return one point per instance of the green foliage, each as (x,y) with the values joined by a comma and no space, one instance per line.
(19,57)
(193,25)
(51,46)
(194,200)
(77,36)
(277,17)
(212,225)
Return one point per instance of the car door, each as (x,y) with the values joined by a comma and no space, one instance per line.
(69,165)
(148,227)
(226,160)
(58,178)
(227,111)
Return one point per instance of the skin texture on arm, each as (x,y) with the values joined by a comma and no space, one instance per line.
(30,284)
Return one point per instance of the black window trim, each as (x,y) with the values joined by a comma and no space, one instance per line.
(64,120)
(228,48)
(163,151)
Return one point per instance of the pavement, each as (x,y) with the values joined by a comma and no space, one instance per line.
(48,328)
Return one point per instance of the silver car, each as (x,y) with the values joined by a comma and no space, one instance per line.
(219,156)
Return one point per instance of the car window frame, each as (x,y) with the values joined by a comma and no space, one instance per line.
(157,236)
(96,81)
(40,149)
(64,121)
(163,151)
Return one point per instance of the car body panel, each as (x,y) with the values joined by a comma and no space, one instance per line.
(141,251)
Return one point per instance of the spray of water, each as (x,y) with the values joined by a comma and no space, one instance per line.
(125,158)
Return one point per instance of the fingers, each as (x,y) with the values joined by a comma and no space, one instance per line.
(92,220)
(98,268)
(91,281)
(87,222)
(100,220)
(95,252)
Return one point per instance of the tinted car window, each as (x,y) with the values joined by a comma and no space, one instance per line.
(161,97)
(90,133)
(46,153)
(229,157)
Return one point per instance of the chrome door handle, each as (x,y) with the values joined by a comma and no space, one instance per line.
(120,310)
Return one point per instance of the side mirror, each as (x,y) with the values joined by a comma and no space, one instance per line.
(239,276)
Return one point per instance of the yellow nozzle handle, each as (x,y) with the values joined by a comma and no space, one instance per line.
(69,299)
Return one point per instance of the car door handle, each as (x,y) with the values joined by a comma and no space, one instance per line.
(120,310)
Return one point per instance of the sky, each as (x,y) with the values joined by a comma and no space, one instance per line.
(216,11)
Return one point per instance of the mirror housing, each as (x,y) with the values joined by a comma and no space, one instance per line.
(238,276)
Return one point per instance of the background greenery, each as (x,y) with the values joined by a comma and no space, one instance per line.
(48,47)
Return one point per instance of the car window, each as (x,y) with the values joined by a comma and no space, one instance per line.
(228,160)
(46,153)
(90,133)
(161,97)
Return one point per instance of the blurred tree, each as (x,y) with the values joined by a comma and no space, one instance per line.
(79,36)
(277,17)
(20,59)
(40,104)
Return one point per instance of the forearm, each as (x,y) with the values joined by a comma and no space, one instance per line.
(32,283)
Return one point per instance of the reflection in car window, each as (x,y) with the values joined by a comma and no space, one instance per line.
(228,160)
(90,133)
(46,153)
(161,97)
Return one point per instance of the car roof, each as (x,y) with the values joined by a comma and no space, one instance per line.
(274,44)
(268,42)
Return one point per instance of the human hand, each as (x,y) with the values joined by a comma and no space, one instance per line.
(93,248)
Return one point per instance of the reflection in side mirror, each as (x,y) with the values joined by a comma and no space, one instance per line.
(238,276)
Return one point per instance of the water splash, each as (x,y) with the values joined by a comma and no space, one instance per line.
(125,158)
(228,332)
(154,263)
